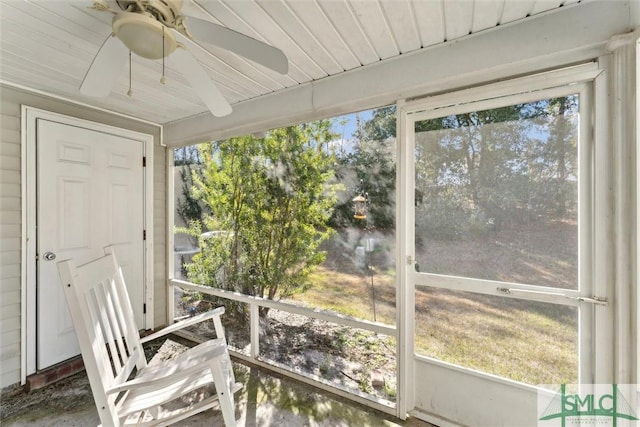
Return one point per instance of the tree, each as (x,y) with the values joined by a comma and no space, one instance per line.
(558,169)
(270,201)
(187,160)
(370,168)
(476,172)
(492,169)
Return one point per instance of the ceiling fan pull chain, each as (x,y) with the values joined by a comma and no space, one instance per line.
(138,26)
(163,79)
(130,92)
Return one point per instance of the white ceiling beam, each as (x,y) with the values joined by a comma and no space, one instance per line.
(569,35)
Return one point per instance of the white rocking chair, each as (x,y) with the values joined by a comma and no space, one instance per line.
(111,348)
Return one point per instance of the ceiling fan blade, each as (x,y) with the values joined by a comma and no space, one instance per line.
(199,80)
(105,69)
(255,50)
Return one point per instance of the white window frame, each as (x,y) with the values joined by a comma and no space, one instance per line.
(586,80)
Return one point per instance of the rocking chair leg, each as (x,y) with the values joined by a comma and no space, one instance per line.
(225,396)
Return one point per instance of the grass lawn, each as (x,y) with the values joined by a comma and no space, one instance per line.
(532,342)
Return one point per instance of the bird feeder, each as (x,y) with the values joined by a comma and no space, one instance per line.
(360,207)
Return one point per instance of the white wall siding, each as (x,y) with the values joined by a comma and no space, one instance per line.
(11,215)
(9,246)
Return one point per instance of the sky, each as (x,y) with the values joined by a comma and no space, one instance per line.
(347,129)
(345,126)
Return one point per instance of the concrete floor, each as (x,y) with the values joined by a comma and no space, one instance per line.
(265,400)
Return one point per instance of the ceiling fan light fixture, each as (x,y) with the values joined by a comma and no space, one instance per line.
(144,35)
(157,29)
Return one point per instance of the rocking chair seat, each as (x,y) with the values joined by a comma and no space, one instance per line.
(160,383)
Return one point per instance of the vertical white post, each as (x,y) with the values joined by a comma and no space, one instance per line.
(170,171)
(636,356)
(603,251)
(405,259)
(255,329)
(27,266)
(623,139)
(585,233)
(149,247)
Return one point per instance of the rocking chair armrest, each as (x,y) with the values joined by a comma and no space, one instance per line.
(183,324)
(159,382)
(184,365)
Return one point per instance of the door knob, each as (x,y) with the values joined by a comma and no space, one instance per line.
(49,256)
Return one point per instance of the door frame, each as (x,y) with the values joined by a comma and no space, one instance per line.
(594,77)
(30,116)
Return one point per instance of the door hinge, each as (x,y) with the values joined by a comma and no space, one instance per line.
(144,308)
(144,161)
(144,234)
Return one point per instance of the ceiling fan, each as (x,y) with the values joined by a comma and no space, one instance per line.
(157,29)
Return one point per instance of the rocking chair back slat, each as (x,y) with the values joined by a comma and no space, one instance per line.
(114,321)
(107,327)
(123,306)
(119,333)
(97,336)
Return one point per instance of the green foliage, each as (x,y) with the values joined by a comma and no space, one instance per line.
(187,160)
(270,199)
(370,167)
(381,127)
(445,217)
(188,207)
(489,170)
(476,172)
(187,155)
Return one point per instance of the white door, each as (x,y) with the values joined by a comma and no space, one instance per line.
(89,195)
(500,196)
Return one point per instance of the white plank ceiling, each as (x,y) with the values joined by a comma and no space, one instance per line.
(47,45)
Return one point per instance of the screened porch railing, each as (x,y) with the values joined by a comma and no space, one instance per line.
(253,357)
